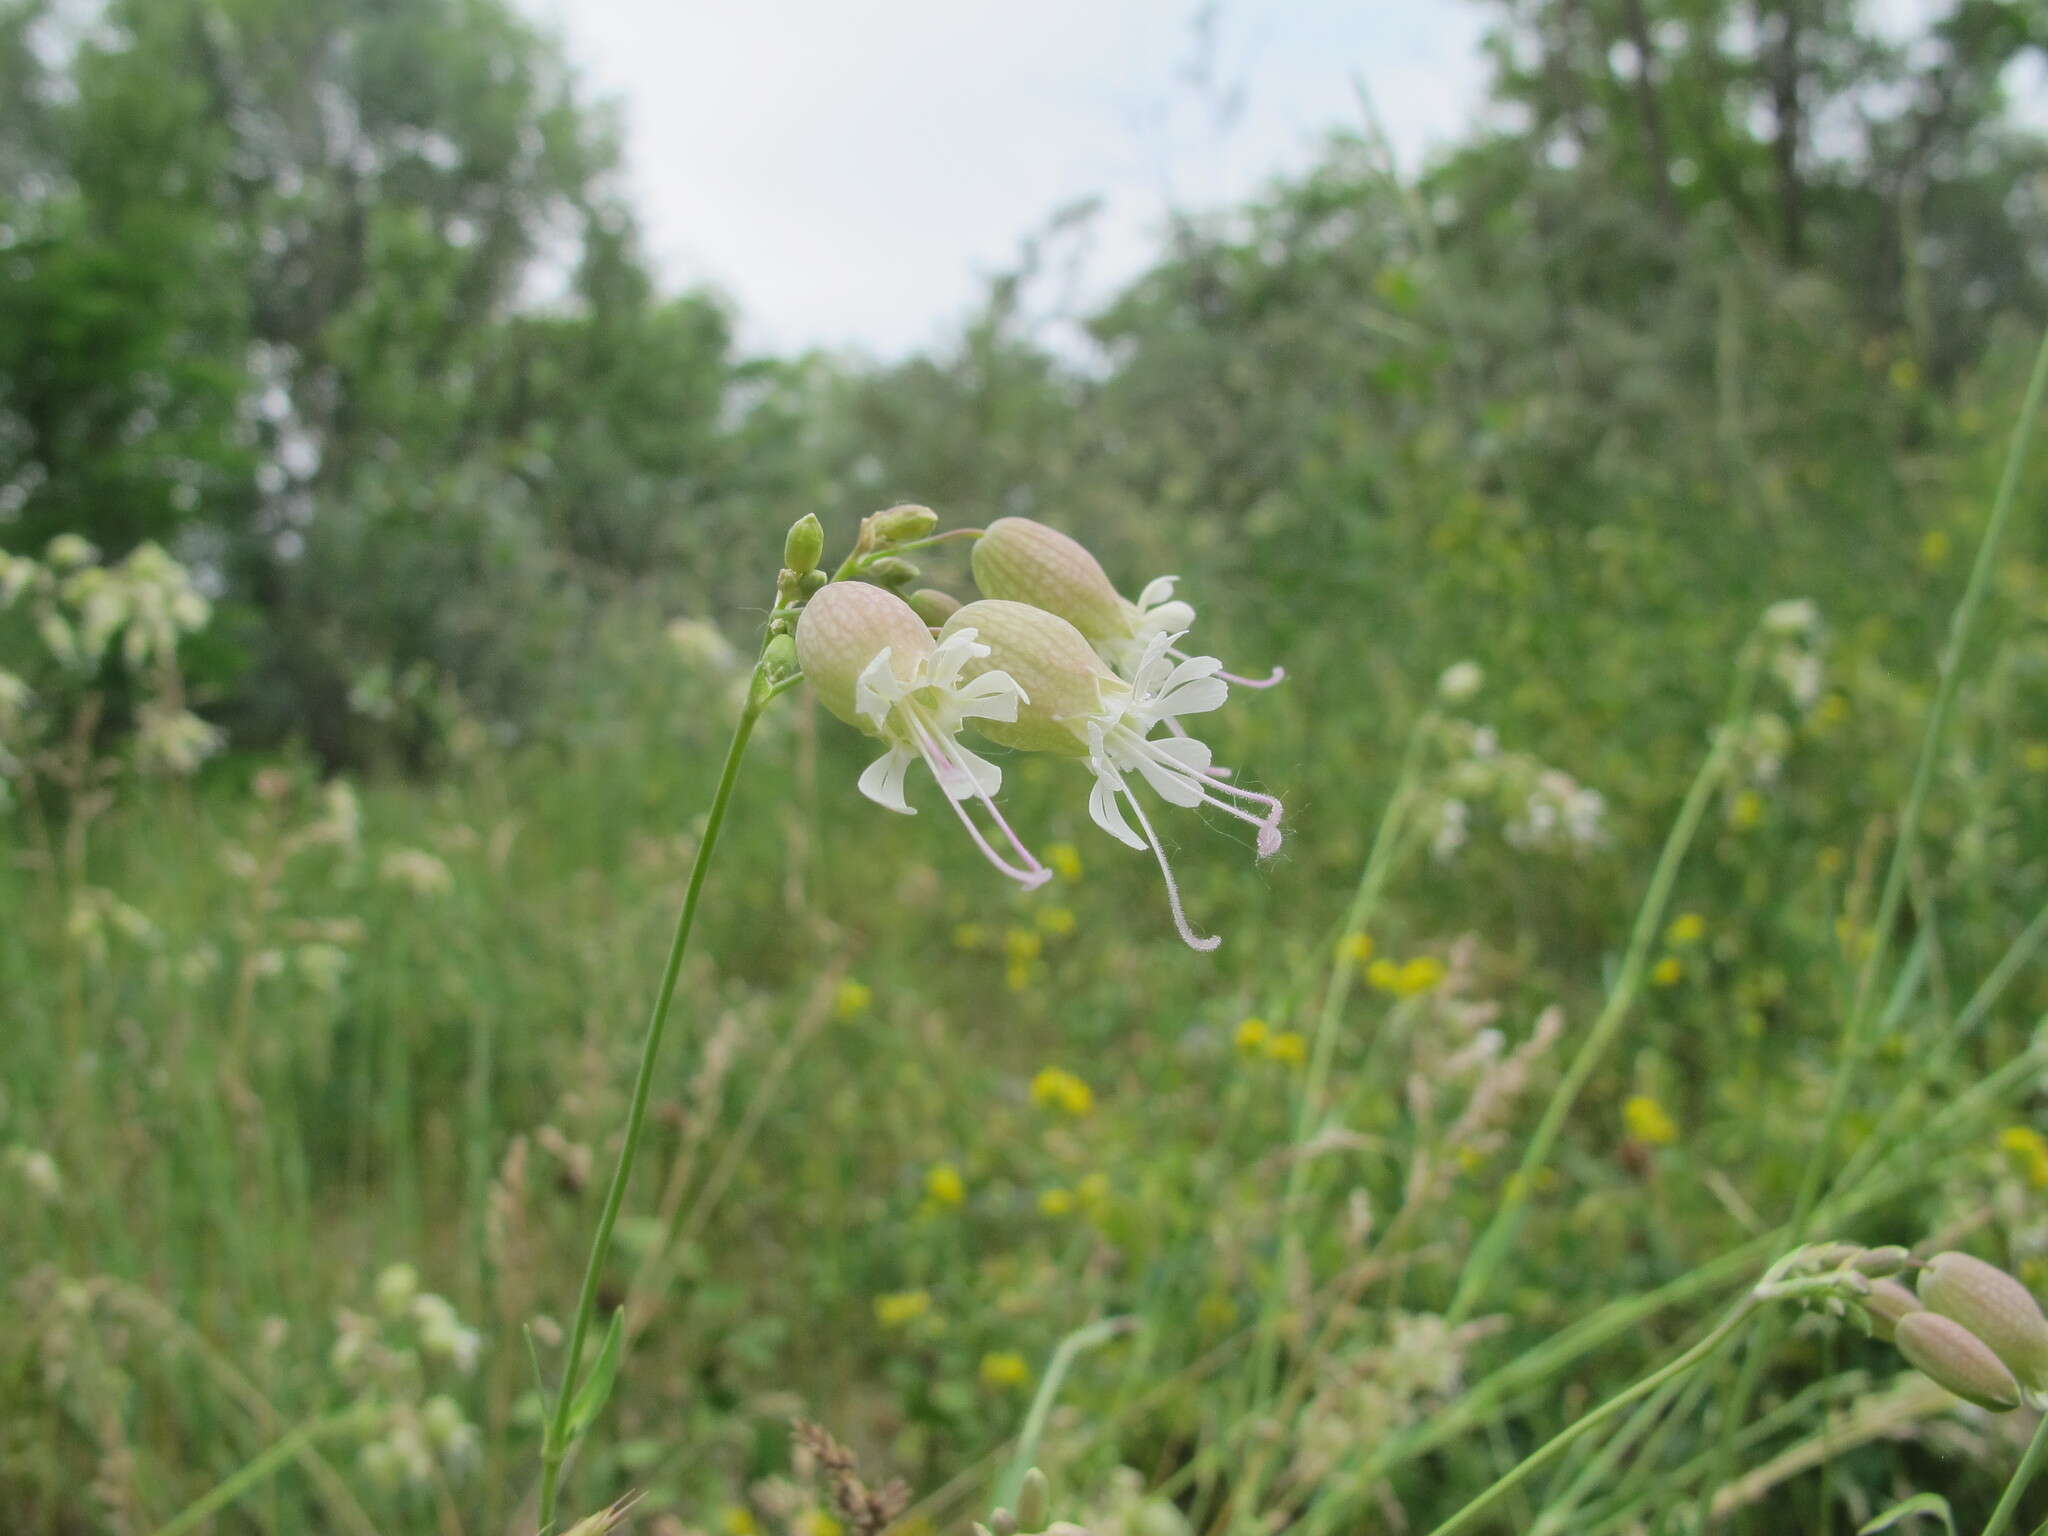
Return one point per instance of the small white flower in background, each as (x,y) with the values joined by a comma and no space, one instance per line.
(323,965)
(1792,616)
(872,662)
(1461,680)
(69,550)
(1453,827)
(15,698)
(173,741)
(1022,561)
(1077,707)
(417,871)
(444,1335)
(38,1170)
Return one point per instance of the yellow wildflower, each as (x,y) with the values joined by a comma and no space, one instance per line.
(1021,945)
(1093,1193)
(2028,1149)
(1665,972)
(1057,921)
(1905,374)
(1420,975)
(1252,1035)
(1017,975)
(1648,1121)
(1934,548)
(969,936)
(1355,947)
(738,1520)
(1057,1088)
(1065,860)
(1005,1368)
(1747,811)
(2035,756)
(1383,976)
(852,999)
(817,1522)
(1288,1046)
(944,1184)
(897,1309)
(1686,928)
(1056,1201)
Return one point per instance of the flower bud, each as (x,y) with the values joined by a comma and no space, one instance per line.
(1022,561)
(893,571)
(900,524)
(934,606)
(1885,1303)
(1951,1356)
(779,656)
(805,544)
(1879,1262)
(1034,1501)
(843,629)
(1995,1307)
(1060,675)
(811,581)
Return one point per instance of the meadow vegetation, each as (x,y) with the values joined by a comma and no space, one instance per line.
(1638,501)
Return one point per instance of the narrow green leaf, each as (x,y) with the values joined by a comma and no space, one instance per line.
(597,1387)
(1906,1509)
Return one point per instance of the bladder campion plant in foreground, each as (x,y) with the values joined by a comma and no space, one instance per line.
(1050,659)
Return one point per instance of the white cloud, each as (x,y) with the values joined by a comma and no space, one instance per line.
(848,172)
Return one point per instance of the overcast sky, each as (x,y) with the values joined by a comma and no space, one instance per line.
(848,172)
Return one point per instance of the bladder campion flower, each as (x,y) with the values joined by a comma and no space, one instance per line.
(1075,706)
(1027,562)
(873,663)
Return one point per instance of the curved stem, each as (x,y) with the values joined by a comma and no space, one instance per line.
(2030,1465)
(555,1444)
(259,1470)
(1558,1443)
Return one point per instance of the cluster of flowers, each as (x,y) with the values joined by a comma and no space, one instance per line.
(1539,807)
(1050,659)
(416,1436)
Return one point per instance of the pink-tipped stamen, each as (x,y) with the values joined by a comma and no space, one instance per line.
(1277,675)
(944,771)
(1268,825)
(1188,935)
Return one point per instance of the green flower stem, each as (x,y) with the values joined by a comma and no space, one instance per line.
(555,1444)
(2029,1468)
(1069,1349)
(263,1467)
(1562,1440)
(1493,1242)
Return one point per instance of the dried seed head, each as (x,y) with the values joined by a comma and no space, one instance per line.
(804,546)
(1061,676)
(934,606)
(1885,1303)
(1995,1307)
(844,628)
(1951,1356)
(1022,561)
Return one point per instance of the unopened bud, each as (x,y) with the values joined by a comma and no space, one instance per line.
(1034,1501)
(893,571)
(1951,1356)
(811,581)
(1993,1306)
(779,656)
(901,524)
(1885,1303)
(805,545)
(934,606)
(1879,1262)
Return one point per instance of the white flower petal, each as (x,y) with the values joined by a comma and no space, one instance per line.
(1172,785)
(978,774)
(1104,811)
(877,688)
(950,655)
(882,780)
(1157,591)
(1196,697)
(1178,617)
(991,696)
(1187,753)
